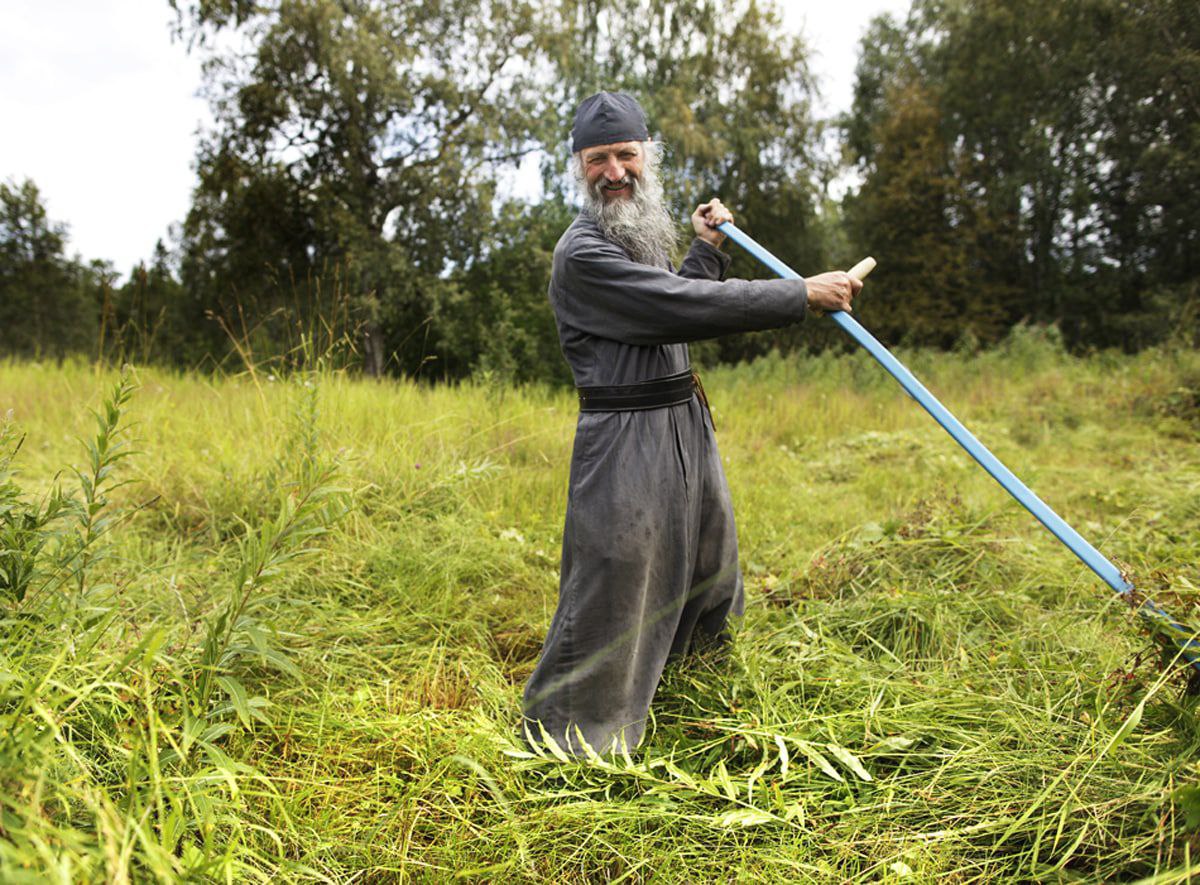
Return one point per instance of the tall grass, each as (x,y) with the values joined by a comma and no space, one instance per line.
(277,630)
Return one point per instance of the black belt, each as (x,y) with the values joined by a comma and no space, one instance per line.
(658,393)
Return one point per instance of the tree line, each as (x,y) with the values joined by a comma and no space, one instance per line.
(1009,162)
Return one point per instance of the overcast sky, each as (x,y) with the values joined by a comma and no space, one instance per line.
(100,109)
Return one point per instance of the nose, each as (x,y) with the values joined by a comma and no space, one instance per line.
(614,170)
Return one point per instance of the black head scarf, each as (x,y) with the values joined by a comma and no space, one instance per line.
(608,118)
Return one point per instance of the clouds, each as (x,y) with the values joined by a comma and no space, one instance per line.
(831,33)
(99,109)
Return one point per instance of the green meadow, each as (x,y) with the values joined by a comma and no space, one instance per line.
(267,629)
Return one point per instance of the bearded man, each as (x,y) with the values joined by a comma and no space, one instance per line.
(649,558)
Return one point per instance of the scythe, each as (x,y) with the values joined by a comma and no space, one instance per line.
(1184,640)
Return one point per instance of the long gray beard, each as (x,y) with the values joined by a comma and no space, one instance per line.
(641,224)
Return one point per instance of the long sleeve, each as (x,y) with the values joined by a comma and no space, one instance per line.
(600,291)
(704,261)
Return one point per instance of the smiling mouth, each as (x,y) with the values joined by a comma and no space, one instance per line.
(610,192)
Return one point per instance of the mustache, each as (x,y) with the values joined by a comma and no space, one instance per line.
(602,184)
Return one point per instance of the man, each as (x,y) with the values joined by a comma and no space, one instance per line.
(649,560)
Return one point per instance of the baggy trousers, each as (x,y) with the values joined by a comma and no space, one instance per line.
(649,563)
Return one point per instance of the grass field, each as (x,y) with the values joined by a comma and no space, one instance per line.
(279,630)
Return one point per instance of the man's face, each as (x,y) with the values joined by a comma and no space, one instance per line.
(613,168)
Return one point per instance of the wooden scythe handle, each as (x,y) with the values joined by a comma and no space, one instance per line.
(864,267)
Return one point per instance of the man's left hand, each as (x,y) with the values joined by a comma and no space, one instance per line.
(706,218)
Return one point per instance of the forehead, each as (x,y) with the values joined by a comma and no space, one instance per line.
(621,148)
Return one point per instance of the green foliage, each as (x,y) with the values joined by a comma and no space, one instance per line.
(149,318)
(55,615)
(50,545)
(271,679)
(364,136)
(1029,161)
(26,528)
(498,317)
(48,303)
(1016,162)
(308,505)
(916,210)
(127,719)
(338,143)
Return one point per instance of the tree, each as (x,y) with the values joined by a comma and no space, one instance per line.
(361,135)
(915,210)
(47,302)
(498,319)
(146,319)
(1072,129)
(370,136)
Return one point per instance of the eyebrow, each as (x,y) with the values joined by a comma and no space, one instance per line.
(625,151)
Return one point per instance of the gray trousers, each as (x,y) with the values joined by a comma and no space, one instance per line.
(649,563)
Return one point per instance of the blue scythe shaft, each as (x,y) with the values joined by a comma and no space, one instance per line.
(1183,638)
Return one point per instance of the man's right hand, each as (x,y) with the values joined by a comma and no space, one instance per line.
(832,291)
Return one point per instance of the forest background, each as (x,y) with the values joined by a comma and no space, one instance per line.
(275,627)
(1010,162)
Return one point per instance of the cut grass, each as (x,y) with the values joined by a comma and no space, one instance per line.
(926,686)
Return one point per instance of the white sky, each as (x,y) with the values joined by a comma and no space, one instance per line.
(99,108)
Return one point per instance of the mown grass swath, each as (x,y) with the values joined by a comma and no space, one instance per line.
(294,648)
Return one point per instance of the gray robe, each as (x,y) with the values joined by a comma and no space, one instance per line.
(649,557)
